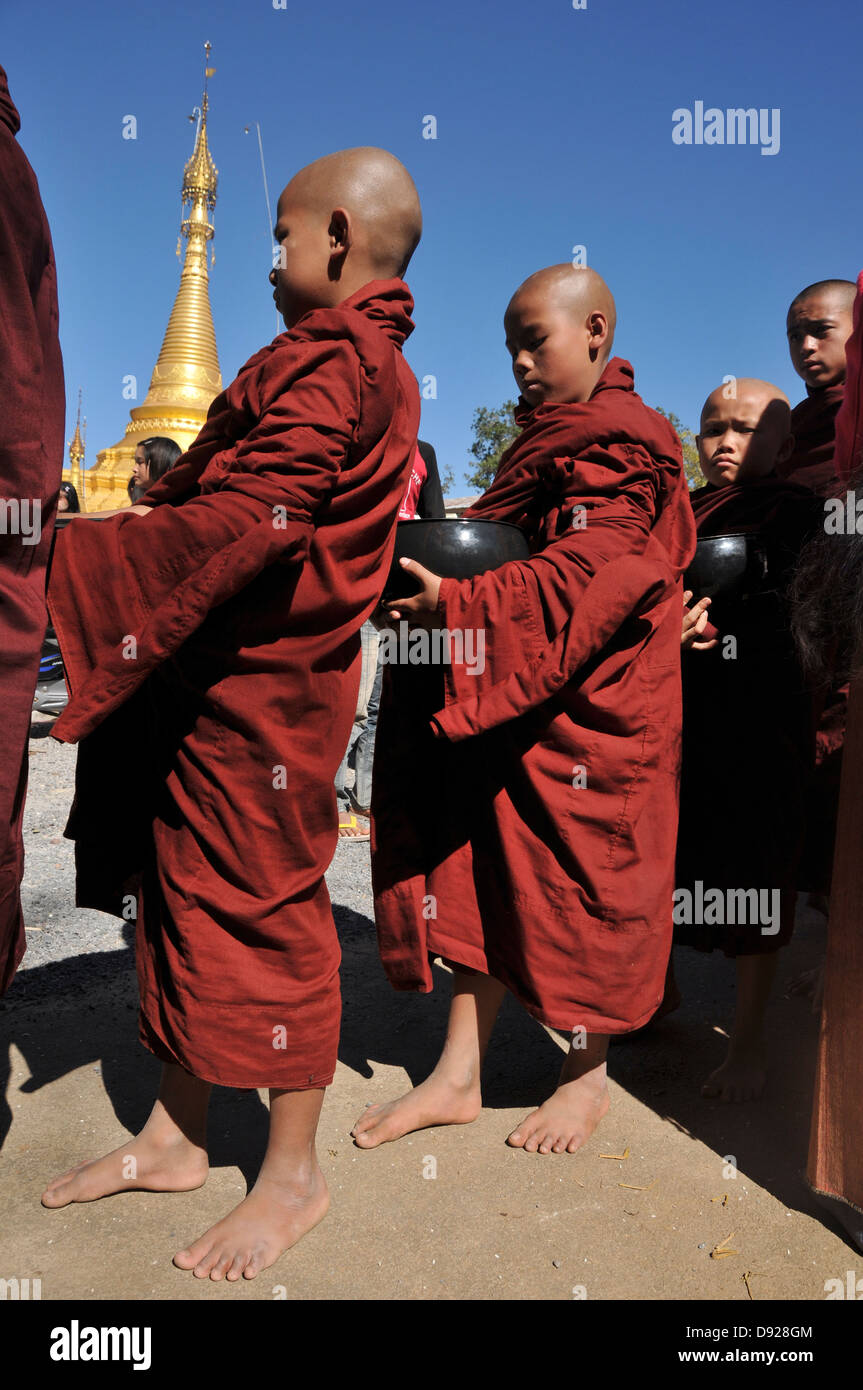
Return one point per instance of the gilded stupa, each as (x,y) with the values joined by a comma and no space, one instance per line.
(72,474)
(186,376)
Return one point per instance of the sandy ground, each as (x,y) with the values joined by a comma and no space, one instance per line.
(445,1214)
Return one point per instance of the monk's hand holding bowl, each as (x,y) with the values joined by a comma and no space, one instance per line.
(694,622)
(420,610)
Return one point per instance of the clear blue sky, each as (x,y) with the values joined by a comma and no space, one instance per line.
(554,129)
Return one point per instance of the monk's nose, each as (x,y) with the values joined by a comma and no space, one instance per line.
(272,278)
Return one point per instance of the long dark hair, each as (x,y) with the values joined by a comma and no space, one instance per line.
(71,496)
(161,454)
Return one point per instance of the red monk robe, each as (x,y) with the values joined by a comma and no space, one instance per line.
(533,838)
(813,424)
(32,416)
(748,724)
(211,750)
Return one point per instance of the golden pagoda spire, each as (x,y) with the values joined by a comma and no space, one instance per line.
(186,376)
(72,474)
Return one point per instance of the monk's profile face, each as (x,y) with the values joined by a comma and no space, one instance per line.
(743,436)
(818,329)
(556,350)
(301,279)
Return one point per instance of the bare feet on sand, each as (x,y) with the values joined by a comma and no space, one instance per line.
(175,1165)
(437,1101)
(742,1075)
(272,1218)
(169,1155)
(568,1118)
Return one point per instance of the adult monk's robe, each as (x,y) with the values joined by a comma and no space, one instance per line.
(213,652)
(524,817)
(32,416)
(748,727)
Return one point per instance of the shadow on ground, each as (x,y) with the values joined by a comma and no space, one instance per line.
(82,1012)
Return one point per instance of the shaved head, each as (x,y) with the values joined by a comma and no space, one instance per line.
(819,324)
(842,292)
(750,392)
(559,328)
(745,431)
(576,288)
(379,195)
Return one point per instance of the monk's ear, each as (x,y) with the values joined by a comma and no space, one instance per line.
(597,325)
(340,235)
(786,449)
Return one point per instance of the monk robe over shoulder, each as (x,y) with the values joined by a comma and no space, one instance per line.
(32,416)
(813,424)
(748,724)
(525,807)
(213,653)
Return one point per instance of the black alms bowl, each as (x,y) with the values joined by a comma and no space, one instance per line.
(452,548)
(727,567)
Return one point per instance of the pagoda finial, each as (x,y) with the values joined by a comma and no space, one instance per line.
(186,376)
(76,447)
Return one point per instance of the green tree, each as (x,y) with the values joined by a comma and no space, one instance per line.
(493,432)
(691,466)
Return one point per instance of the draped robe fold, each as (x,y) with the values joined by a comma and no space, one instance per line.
(213,654)
(524,817)
(32,417)
(813,422)
(835,1165)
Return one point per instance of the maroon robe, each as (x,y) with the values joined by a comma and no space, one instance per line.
(748,725)
(524,818)
(813,423)
(835,1166)
(212,740)
(32,416)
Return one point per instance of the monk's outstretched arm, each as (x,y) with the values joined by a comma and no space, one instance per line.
(155,578)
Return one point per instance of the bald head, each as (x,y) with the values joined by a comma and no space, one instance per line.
(559,331)
(820,322)
(840,292)
(379,196)
(745,431)
(578,290)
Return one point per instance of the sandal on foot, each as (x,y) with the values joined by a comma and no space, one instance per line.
(350,828)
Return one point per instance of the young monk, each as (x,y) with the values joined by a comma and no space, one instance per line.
(748,721)
(213,651)
(540,857)
(818,326)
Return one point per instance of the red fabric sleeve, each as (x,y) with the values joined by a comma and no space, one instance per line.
(167,570)
(546,616)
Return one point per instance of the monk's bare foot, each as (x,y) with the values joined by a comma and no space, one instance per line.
(568,1118)
(741,1077)
(156,1165)
(565,1121)
(272,1218)
(437,1101)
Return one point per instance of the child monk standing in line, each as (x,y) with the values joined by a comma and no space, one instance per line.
(818,326)
(748,719)
(540,858)
(213,651)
